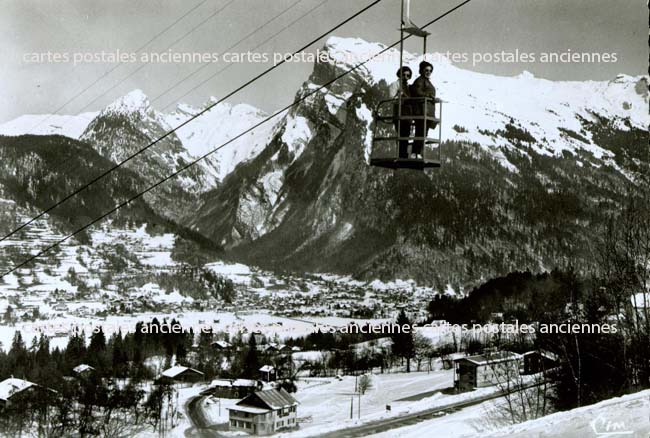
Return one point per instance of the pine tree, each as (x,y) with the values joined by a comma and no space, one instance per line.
(75,352)
(18,357)
(251,360)
(403,344)
(97,350)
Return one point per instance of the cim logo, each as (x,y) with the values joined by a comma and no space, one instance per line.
(602,426)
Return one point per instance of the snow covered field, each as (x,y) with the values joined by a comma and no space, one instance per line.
(325,402)
(627,416)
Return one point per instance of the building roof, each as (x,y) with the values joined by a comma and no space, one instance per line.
(249,409)
(272,398)
(244,382)
(178,370)
(221,383)
(11,386)
(83,367)
(547,354)
(221,344)
(490,358)
(267,369)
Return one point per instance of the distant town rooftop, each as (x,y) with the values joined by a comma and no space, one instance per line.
(177,370)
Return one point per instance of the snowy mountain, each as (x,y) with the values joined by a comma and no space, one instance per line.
(37,171)
(213,128)
(217,126)
(129,124)
(531,168)
(483,104)
(48,124)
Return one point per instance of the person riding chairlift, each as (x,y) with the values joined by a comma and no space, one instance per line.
(402,127)
(422,87)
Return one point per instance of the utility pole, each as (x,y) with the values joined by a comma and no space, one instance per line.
(351,408)
(359,405)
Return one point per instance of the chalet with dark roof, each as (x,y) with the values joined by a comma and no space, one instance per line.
(264,412)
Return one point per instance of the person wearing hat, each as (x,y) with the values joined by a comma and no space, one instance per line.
(422,87)
(397,88)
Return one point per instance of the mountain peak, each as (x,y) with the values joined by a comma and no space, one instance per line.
(134,101)
(525,75)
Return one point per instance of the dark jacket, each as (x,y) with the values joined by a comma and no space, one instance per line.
(422,87)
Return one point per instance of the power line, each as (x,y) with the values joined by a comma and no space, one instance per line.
(88,87)
(230,48)
(58,165)
(168,133)
(205,20)
(286,108)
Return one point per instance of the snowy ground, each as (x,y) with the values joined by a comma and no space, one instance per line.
(327,401)
(627,416)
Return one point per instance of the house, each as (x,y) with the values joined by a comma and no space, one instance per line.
(487,369)
(538,361)
(225,388)
(264,412)
(179,374)
(267,372)
(245,387)
(270,348)
(12,390)
(449,360)
(221,345)
(83,370)
(284,349)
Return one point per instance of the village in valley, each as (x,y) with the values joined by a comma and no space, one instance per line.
(290,355)
(323,254)
(228,349)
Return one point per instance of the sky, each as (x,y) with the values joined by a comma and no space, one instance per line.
(33,32)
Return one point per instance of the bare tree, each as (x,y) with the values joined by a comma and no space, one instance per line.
(525,397)
(423,349)
(365,383)
(624,262)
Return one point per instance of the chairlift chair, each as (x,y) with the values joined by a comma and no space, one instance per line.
(385,139)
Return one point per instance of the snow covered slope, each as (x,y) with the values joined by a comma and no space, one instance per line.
(212,129)
(216,127)
(483,104)
(627,416)
(48,124)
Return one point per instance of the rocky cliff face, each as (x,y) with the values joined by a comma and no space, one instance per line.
(129,124)
(531,169)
